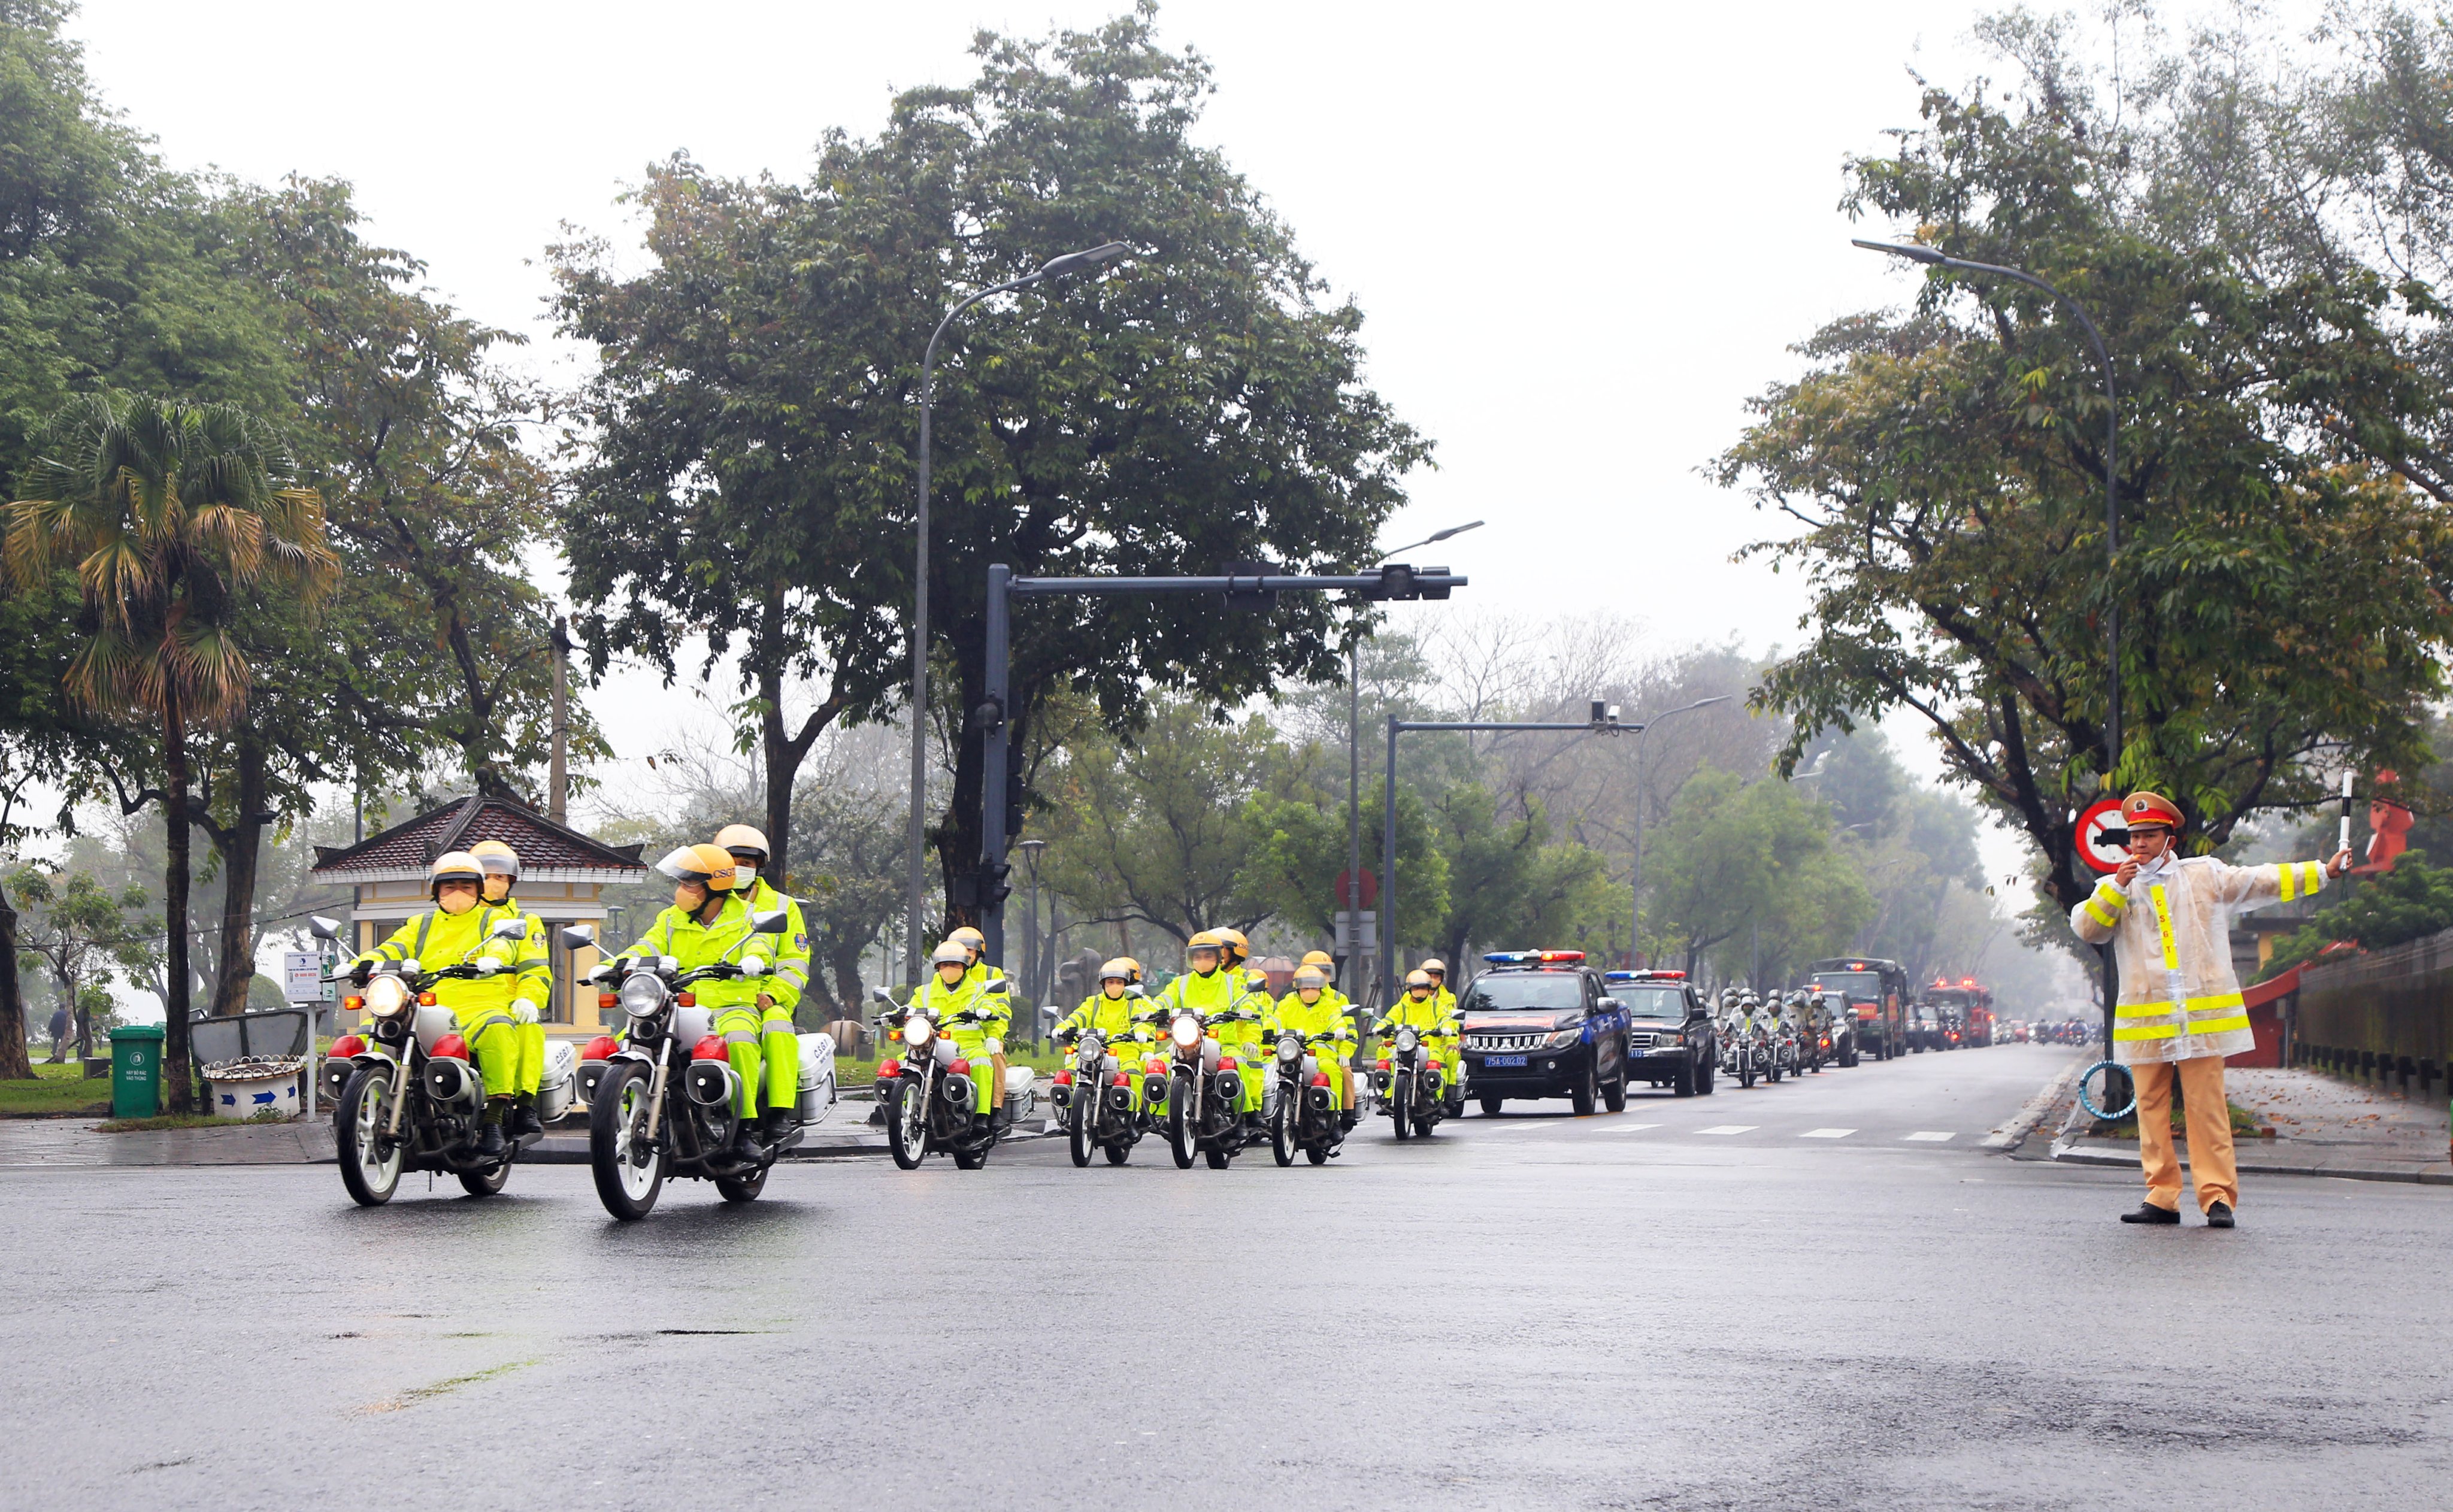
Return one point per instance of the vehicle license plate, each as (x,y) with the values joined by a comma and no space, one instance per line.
(1502,1060)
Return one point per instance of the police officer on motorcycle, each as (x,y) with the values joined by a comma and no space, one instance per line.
(955,988)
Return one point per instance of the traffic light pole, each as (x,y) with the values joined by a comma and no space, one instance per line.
(1392,581)
(1604,721)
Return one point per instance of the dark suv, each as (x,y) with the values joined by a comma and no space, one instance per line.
(1670,1039)
(1538,1023)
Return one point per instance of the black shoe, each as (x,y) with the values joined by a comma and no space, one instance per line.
(779,1123)
(525,1122)
(2219,1215)
(745,1140)
(489,1140)
(2149,1213)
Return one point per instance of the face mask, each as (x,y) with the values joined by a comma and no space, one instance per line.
(748,873)
(455,902)
(1310,994)
(1113,989)
(497,888)
(950,974)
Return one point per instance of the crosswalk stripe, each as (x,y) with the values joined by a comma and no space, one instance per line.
(1931,1136)
(1730,1128)
(1826,1134)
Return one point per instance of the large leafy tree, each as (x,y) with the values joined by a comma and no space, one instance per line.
(1751,867)
(85,936)
(2281,586)
(753,435)
(172,516)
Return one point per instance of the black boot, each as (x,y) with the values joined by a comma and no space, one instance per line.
(490,1137)
(744,1139)
(2149,1213)
(778,1123)
(524,1119)
(2219,1215)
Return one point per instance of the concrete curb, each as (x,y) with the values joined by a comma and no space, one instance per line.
(2109,1153)
(2011,1135)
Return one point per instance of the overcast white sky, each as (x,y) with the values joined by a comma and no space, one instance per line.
(1582,234)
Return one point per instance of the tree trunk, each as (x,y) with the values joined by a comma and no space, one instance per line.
(178,1072)
(959,835)
(16,1065)
(782,760)
(844,959)
(239,869)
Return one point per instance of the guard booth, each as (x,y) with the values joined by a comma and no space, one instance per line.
(563,878)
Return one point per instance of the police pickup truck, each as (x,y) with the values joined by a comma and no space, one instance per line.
(1538,1023)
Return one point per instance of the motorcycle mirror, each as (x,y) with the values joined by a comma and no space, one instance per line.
(323,928)
(772,922)
(885,997)
(998,987)
(576,938)
(510,929)
(1051,1010)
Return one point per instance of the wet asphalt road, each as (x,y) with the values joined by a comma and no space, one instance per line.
(1531,1311)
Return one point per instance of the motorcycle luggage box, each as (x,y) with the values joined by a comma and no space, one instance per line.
(1020,1094)
(560,1080)
(433,1021)
(817,1077)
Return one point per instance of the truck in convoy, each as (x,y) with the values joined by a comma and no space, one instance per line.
(1966,1008)
(1877,992)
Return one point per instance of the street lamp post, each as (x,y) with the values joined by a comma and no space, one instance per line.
(915,834)
(1931,258)
(1034,966)
(1635,888)
(1353,902)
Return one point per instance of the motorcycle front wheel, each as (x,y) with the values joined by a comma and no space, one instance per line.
(485,1183)
(616,1118)
(1401,1104)
(1077,1120)
(907,1123)
(359,1118)
(1181,1142)
(1282,1128)
(1746,1072)
(1119,1152)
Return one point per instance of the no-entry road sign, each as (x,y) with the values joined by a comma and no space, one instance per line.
(2102,838)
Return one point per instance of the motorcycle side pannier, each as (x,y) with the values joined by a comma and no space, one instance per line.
(817,1077)
(561,1082)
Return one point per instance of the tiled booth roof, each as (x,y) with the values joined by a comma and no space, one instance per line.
(548,852)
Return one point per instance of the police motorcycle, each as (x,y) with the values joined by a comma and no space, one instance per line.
(405,1094)
(927,1090)
(1407,1082)
(1303,1116)
(1200,1098)
(663,1101)
(1813,1031)
(1747,1046)
(1094,1093)
(1788,1036)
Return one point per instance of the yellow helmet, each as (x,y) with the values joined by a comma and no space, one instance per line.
(1308,975)
(1121,969)
(1435,964)
(710,865)
(736,838)
(453,865)
(1318,958)
(950,953)
(1205,940)
(1134,966)
(971,940)
(1418,978)
(1237,948)
(1255,977)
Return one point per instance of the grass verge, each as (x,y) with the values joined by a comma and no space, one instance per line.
(54,1090)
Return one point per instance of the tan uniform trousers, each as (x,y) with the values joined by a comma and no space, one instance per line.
(2209,1116)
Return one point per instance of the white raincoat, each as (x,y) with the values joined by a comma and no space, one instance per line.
(2171,932)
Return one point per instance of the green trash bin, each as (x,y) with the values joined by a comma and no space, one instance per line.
(136,1071)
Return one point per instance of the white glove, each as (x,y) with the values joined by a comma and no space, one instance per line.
(753,965)
(489,965)
(523,1011)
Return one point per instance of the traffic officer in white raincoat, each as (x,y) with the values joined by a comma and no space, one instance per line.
(2180,1010)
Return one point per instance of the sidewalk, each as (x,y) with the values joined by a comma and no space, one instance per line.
(2322,1127)
(76,1142)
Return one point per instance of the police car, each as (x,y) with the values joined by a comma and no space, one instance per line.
(1669,1030)
(1538,1024)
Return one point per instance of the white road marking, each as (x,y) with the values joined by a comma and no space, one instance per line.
(1629,1128)
(1730,1128)
(1826,1134)
(1930,1136)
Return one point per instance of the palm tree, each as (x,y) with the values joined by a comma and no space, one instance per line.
(172,515)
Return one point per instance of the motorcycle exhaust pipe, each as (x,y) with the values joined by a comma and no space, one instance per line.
(1154,1089)
(1121,1099)
(455,1084)
(1230,1091)
(958,1090)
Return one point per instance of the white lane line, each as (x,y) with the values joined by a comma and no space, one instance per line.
(1730,1128)
(1826,1134)
(1929,1136)
(1628,1128)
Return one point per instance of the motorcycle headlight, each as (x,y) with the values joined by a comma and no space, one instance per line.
(1407,1038)
(642,996)
(387,996)
(1290,1048)
(1185,1031)
(916,1031)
